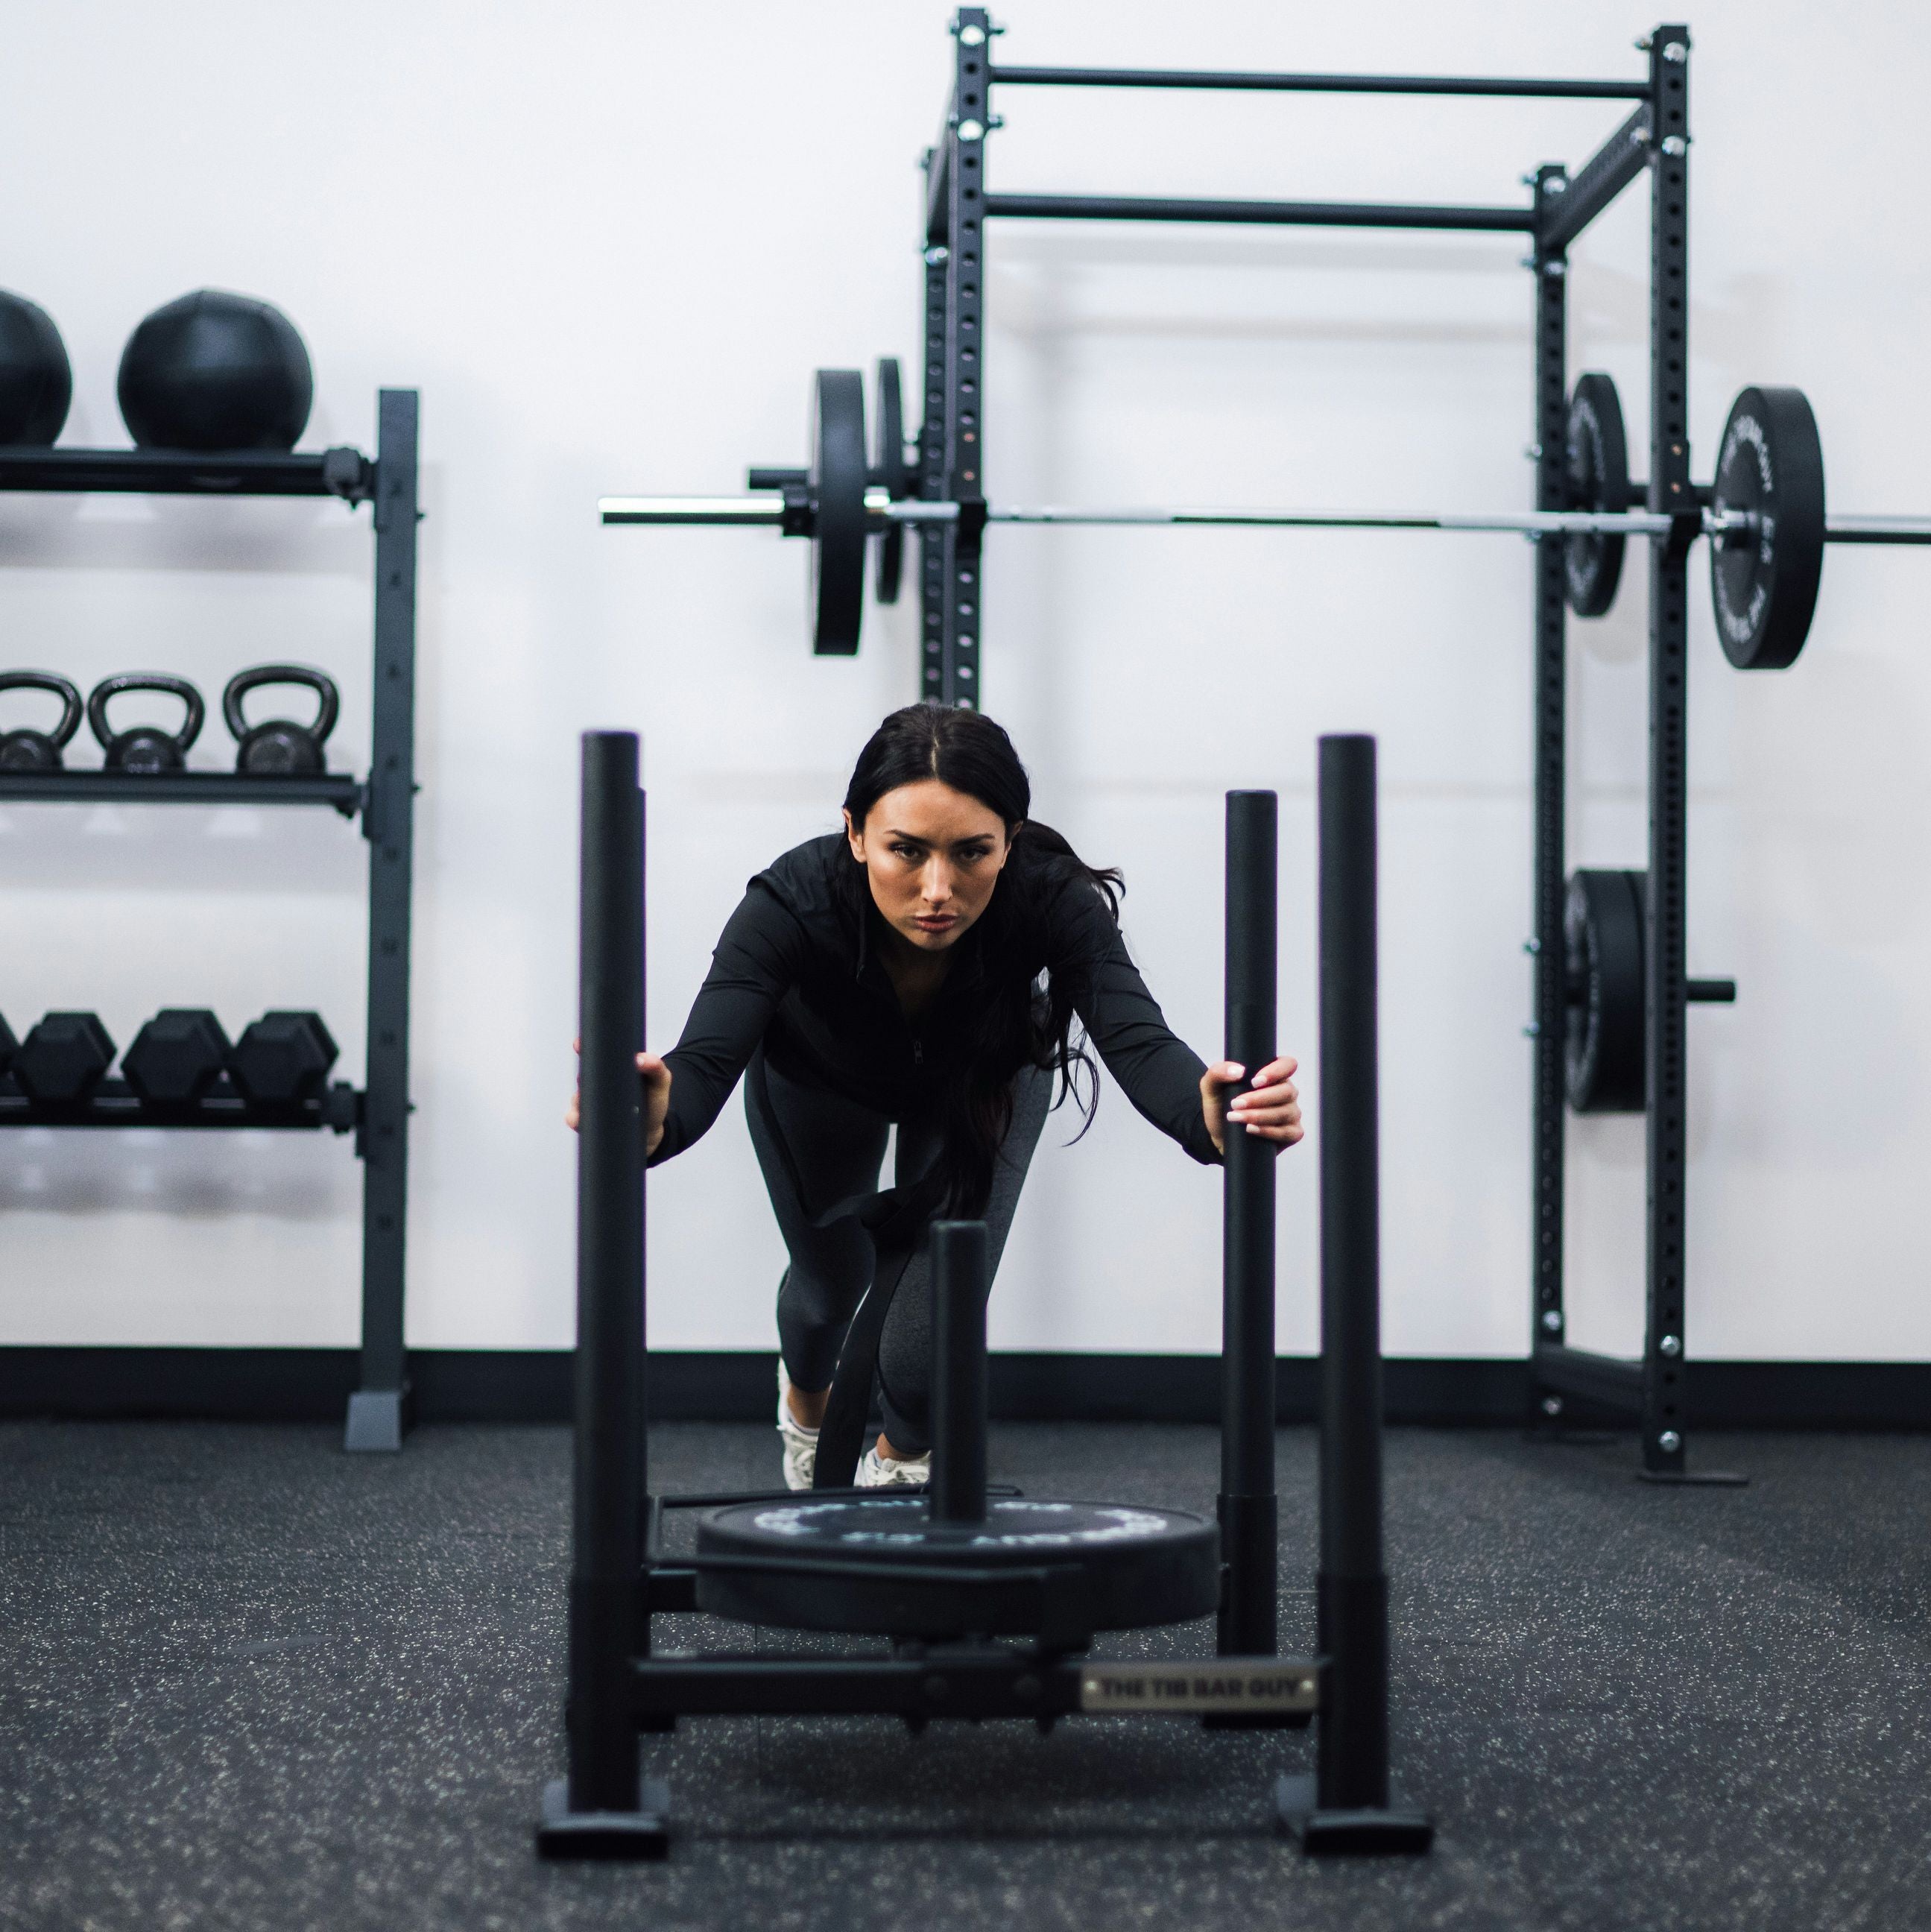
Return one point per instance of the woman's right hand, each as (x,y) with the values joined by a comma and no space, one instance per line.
(656,1077)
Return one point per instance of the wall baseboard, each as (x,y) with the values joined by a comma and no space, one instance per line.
(728,1385)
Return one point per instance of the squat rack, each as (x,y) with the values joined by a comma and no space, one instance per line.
(1655,136)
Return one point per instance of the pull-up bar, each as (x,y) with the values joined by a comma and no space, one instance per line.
(1319,83)
(1269,213)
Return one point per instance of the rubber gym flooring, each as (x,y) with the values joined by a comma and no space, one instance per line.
(248,1681)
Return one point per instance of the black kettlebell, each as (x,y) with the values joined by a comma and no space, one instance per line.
(146,747)
(279,748)
(23,749)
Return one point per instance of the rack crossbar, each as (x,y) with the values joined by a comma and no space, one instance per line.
(1266,213)
(1599,180)
(1320,83)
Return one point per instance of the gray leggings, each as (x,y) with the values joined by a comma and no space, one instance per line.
(816,1150)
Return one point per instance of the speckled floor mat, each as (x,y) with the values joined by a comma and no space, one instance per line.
(250,1682)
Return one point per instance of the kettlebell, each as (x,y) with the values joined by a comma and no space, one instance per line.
(146,747)
(23,749)
(280,748)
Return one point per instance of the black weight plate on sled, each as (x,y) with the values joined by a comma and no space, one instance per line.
(1596,469)
(1135,1566)
(1771,465)
(1602,929)
(838,479)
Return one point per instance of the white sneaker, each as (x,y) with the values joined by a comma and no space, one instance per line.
(888,1472)
(801,1444)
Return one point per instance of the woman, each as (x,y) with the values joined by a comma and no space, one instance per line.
(923,969)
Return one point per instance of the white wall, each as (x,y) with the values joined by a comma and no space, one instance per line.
(609,243)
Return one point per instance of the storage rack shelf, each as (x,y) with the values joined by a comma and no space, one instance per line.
(114,1104)
(378,1113)
(347,473)
(89,788)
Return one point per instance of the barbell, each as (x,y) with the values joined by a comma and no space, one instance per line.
(1764,513)
(1764,509)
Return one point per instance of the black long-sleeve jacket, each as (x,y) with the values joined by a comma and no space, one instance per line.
(797,968)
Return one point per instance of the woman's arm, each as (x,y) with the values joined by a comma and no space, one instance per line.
(656,1077)
(1269,1105)
(1163,1076)
(755,963)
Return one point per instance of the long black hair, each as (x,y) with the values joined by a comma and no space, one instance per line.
(1023,1019)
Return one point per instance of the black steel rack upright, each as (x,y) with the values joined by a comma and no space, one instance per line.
(378,1114)
(1652,1390)
(1655,136)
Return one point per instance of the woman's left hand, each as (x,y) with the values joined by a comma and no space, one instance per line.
(1268,1106)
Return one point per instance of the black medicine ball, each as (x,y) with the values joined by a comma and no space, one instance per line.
(216,371)
(36,383)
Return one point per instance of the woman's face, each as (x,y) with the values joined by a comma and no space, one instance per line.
(933,856)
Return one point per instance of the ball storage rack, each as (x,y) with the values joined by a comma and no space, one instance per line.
(990,1600)
(384,803)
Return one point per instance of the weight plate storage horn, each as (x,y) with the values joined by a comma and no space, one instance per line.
(1130,1567)
(1597,468)
(838,475)
(1770,466)
(1602,928)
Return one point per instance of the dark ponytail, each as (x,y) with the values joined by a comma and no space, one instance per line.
(1026,1019)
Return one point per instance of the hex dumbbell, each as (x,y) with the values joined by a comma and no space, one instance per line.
(282,1057)
(178,1056)
(64,1057)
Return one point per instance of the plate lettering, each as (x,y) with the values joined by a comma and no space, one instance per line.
(1226,1684)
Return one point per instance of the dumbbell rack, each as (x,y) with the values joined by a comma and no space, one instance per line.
(378,1410)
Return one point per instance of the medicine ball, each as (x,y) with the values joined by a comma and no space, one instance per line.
(36,382)
(216,371)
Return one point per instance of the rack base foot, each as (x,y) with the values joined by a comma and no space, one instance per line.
(1395,1827)
(377,1418)
(1722,1479)
(644,1833)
